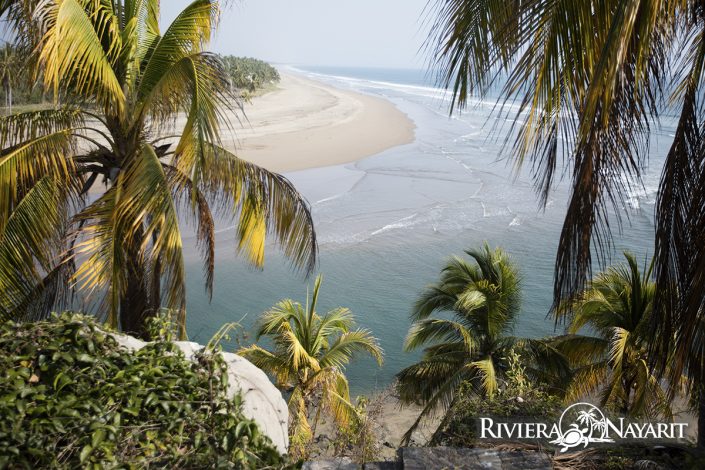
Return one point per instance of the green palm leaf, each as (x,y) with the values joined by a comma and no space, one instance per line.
(617,307)
(263,203)
(31,228)
(126,83)
(309,357)
(74,50)
(483,296)
(186,35)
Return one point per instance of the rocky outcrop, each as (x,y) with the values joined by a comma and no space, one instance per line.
(422,458)
(262,401)
(437,458)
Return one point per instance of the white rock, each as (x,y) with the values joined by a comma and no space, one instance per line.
(261,400)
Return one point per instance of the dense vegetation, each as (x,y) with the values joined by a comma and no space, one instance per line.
(590,80)
(473,345)
(249,75)
(123,245)
(519,399)
(587,92)
(613,362)
(71,397)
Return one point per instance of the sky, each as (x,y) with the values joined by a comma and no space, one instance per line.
(354,33)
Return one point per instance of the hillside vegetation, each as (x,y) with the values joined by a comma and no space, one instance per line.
(71,397)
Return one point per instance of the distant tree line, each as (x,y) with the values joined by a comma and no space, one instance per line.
(19,86)
(17,83)
(248,74)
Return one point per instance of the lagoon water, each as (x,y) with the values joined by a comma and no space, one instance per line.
(387,223)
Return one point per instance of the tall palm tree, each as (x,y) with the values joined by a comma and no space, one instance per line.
(474,345)
(614,362)
(590,78)
(9,72)
(308,359)
(125,82)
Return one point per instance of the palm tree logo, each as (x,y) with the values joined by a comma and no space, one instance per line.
(581,423)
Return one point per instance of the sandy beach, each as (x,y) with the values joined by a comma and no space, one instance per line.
(306,124)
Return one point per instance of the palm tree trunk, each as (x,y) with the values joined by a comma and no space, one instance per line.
(627,385)
(134,305)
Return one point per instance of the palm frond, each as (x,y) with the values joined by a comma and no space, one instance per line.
(587,380)
(680,226)
(336,398)
(23,165)
(22,127)
(545,361)
(419,382)
(263,203)
(198,85)
(580,349)
(30,243)
(99,240)
(140,31)
(268,362)
(277,318)
(433,330)
(185,36)
(349,344)
(442,397)
(80,48)
(192,201)
(487,374)
(583,80)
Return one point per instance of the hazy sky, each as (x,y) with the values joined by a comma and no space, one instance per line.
(375,33)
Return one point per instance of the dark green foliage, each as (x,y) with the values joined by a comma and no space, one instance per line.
(519,399)
(70,396)
(249,75)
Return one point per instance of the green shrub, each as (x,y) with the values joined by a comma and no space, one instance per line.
(518,398)
(70,396)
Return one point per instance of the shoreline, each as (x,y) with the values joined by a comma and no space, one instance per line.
(306,124)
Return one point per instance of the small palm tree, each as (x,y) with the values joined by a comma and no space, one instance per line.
(126,81)
(613,361)
(308,359)
(473,346)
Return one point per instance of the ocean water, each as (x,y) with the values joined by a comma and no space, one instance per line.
(387,223)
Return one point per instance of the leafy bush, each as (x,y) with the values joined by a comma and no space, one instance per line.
(71,396)
(519,398)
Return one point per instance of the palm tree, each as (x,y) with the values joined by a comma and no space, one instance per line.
(590,78)
(308,359)
(474,345)
(9,72)
(617,307)
(125,82)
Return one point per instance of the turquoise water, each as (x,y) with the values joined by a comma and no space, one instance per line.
(387,223)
